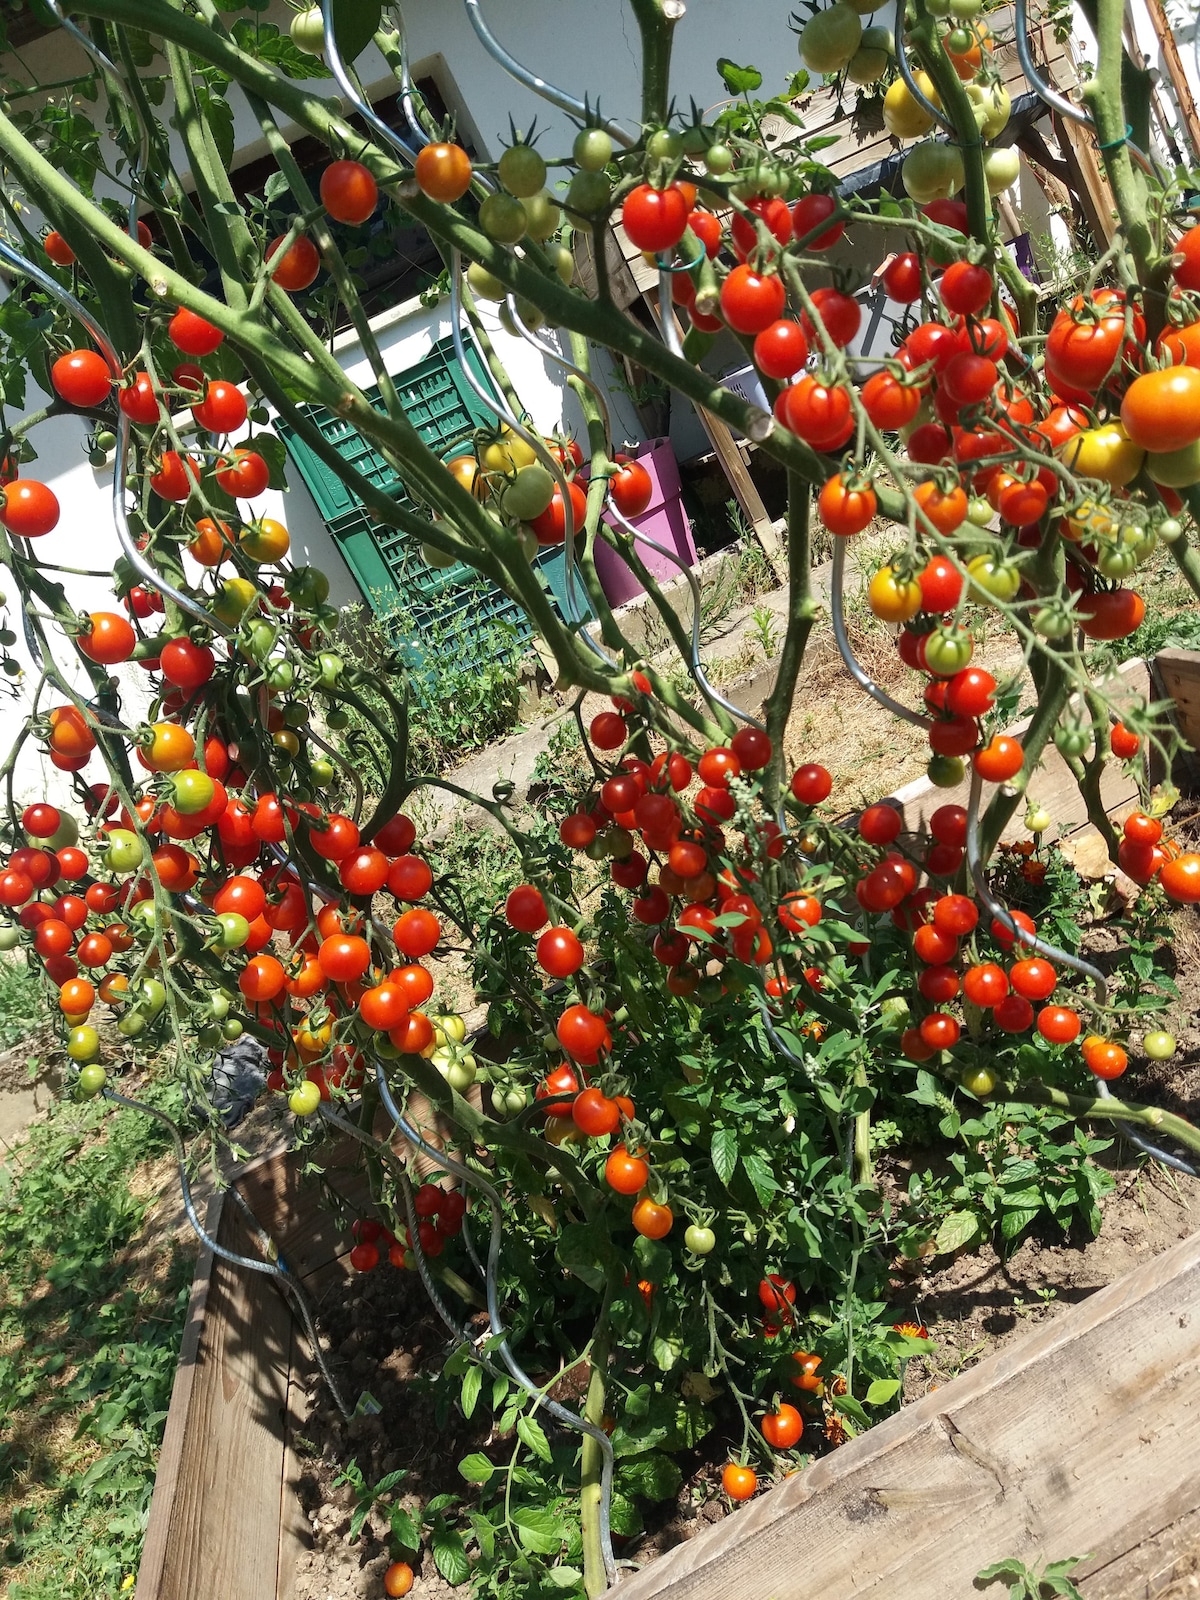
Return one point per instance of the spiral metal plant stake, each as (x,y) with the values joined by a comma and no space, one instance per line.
(559,1412)
(274,1267)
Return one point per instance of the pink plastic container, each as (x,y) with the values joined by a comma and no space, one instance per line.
(664,520)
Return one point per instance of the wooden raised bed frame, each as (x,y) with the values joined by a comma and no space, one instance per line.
(1081,1439)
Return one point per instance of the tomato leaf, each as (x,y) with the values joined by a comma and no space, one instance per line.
(476,1468)
(724,1153)
(881,1391)
(579,1252)
(274,452)
(758,1170)
(564,1577)
(471,1385)
(404,1529)
(449,1557)
(1012,1222)
(538,1529)
(654,1476)
(739,80)
(531,1433)
(624,1516)
(957,1231)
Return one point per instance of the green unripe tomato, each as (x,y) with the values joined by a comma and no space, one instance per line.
(144,915)
(700,1241)
(83,1043)
(304,1099)
(502,218)
(10,936)
(295,714)
(307,586)
(598,849)
(65,835)
(125,852)
(664,145)
(337,717)
(485,285)
(1159,1046)
(979,511)
(105,440)
(192,791)
(152,997)
(718,159)
(522,171)
(561,259)
(529,494)
(620,844)
(708,991)
(208,1036)
(91,1080)
(529,314)
(232,931)
(435,558)
(231,1029)
(462,1074)
(1169,529)
(281,676)
(1038,819)
(1052,622)
(322,771)
(308,31)
(993,578)
(958,41)
(510,1101)
(219,1003)
(1001,168)
(542,215)
(528,542)
(131,1023)
(1072,740)
(329,668)
(979,1081)
(592,150)
(589,193)
(1115,561)
(260,639)
(945,772)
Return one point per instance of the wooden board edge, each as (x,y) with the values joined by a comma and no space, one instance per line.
(175,1433)
(707,1550)
(293,1527)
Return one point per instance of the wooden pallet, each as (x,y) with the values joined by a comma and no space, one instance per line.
(1080,1440)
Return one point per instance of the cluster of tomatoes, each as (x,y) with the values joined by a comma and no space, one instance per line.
(718,913)
(440,1214)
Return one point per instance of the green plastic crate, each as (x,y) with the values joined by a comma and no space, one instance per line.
(452,604)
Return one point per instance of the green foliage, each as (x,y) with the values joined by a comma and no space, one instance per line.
(83,1342)
(22,1000)
(1033,1583)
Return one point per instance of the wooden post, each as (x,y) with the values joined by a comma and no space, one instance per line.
(728,453)
(1182,89)
(1087,178)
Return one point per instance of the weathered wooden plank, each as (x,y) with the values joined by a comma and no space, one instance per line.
(1179,674)
(301,1221)
(224,1515)
(294,1532)
(177,1439)
(1078,1439)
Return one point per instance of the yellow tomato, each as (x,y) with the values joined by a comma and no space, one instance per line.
(903,116)
(233,599)
(265,540)
(892,598)
(507,453)
(1106,453)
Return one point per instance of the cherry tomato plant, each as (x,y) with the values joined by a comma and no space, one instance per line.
(716,993)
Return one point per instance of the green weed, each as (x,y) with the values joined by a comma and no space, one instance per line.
(88,1349)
